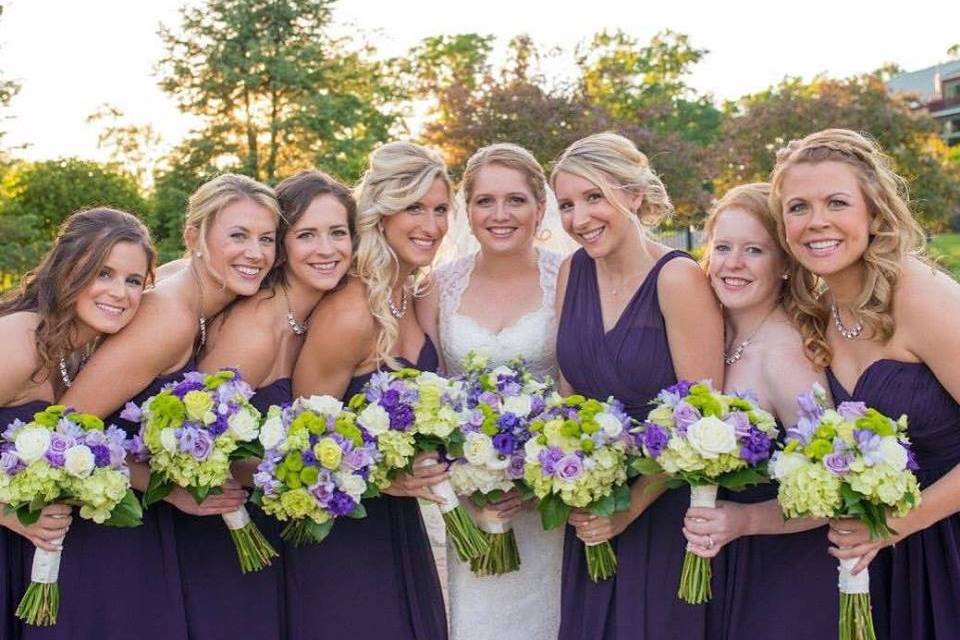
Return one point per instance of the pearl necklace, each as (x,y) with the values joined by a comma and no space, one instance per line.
(849,334)
(402,311)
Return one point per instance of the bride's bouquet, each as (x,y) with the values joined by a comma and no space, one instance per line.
(190,432)
(851,462)
(409,411)
(315,469)
(500,403)
(707,439)
(66,457)
(581,456)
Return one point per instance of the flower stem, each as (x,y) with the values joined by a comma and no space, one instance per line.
(467,539)
(503,556)
(253,549)
(40,604)
(856,621)
(695,579)
(601,561)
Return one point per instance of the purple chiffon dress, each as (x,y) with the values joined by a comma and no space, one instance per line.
(915,584)
(370,579)
(220,600)
(11,544)
(120,583)
(631,362)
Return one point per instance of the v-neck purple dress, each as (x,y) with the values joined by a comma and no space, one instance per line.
(12,545)
(220,600)
(915,584)
(631,362)
(120,583)
(370,579)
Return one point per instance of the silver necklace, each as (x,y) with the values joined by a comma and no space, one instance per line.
(402,311)
(297,328)
(732,358)
(203,331)
(62,364)
(849,334)
(64,375)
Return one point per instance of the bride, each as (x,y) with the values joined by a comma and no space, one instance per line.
(499,300)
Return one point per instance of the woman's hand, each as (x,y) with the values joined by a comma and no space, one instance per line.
(851,539)
(593,529)
(417,484)
(232,498)
(708,530)
(504,509)
(46,533)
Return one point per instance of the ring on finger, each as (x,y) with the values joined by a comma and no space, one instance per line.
(709,541)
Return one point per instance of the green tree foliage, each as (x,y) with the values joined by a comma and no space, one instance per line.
(277,91)
(8,89)
(759,124)
(35,197)
(133,147)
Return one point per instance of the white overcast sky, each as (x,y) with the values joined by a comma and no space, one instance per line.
(73,55)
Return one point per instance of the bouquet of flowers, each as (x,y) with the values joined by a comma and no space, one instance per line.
(500,402)
(190,432)
(409,411)
(707,439)
(580,455)
(315,469)
(68,457)
(851,462)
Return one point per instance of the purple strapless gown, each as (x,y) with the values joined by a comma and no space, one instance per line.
(915,585)
(120,583)
(370,579)
(11,544)
(220,601)
(631,362)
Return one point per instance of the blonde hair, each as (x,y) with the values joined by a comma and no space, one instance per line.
(400,174)
(894,234)
(507,155)
(613,162)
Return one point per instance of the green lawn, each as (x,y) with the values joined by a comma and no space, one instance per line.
(947,248)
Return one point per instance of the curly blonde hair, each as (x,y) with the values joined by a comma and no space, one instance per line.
(894,234)
(400,174)
(613,162)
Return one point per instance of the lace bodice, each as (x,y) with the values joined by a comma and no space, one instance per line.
(531,336)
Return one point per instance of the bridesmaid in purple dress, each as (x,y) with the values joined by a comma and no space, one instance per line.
(261,337)
(88,285)
(887,324)
(124,582)
(634,317)
(771,564)
(375,578)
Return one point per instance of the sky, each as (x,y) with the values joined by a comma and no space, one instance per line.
(71,56)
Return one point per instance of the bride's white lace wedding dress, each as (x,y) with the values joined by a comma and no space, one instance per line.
(525,604)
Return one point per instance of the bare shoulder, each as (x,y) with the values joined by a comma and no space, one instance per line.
(681,274)
(346,311)
(163,320)
(251,321)
(20,358)
(923,290)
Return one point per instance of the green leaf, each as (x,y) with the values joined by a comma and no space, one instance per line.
(201,493)
(622,496)
(358,512)
(127,513)
(26,516)
(553,511)
(319,531)
(605,506)
(741,479)
(157,489)
(646,466)
(244,450)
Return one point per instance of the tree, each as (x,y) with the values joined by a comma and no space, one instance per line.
(276,90)
(35,197)
(133,147)
(8,89)
(761,123)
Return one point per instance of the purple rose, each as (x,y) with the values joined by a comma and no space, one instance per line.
(684,415)
(131,412)
(504,443)
(355,459)
(851,410)
(755,446)
(202,446)
(515,469)
(55,459)
(838,462)
(655,438)
(548,459)
(322,492)
(569,467)
(341,504)
(60,443)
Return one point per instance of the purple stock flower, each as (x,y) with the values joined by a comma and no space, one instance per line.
(755,446)
(803,430)
(266,482)
(851,410)
(131,412)
(202,446)
(569,467)
(809,406)
(101,455)
(838,462)
(537,404)
(356,459)
(912,463)
(548,459)
(341,504)
(740,423)
(220,425)
(869,444)
(309,458)
(136,447)
(10,463)
(655,438)
(508,421)
(185,386)
(489,398)
(401,417)
(390,399)
(515,469)
(684,415)
(504,443)
(322,492)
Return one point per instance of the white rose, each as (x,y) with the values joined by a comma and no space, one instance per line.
(711,437)
(79,461)
(327,405)
(532,449)
(893,452)
(168,440)
(517,405)
(498,462)
(429,377)
(478,449)
(611,426)
(503,370)
(32,443)
(783,465)
(271,433)
(374,419)
(352,485)
(243,426)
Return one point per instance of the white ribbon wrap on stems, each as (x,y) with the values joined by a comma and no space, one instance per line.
(704,495)
(444,490)
(489,522)
(850,583)
(237,519)
(46,565)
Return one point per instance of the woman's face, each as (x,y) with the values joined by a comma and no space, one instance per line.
(503,212)
(241,246)
(318,246)
(111,300)
(589,218)
(746,265)
(415,233)
(825,216)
